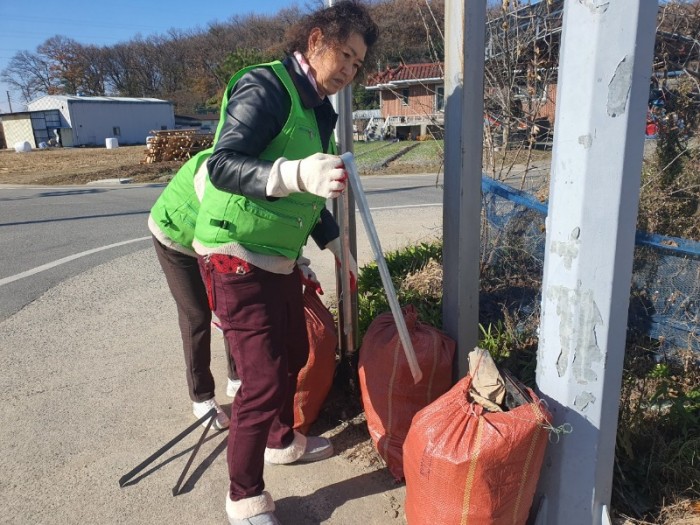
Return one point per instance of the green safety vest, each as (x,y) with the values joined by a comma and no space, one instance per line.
(278,227)
(176,210)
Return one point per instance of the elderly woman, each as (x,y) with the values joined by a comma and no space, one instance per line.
(273,167)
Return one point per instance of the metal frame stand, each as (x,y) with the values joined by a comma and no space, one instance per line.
(126,478)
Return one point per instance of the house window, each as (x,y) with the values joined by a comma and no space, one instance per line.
(404,97)
(440,99)
(116,131)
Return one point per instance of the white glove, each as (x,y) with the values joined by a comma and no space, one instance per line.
(321,174)
(308,277)
(334,247)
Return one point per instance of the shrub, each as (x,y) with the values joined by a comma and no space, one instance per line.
(657,459)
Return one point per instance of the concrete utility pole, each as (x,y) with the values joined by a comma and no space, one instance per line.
(465,23)
(604,72)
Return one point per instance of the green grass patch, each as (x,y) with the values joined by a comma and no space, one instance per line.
(372,299)
(371,157)
(363,148)
(426,152)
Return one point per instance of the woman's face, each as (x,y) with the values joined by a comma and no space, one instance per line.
(334,66)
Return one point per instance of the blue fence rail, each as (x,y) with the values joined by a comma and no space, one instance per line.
(665,296)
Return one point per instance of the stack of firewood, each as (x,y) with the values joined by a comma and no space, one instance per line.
(177,144)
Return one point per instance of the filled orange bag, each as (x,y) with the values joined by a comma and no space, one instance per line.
(389,395)
(467,466)
(316,378)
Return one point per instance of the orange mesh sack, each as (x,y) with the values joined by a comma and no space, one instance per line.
(467,466)
(389,395)
(316,378)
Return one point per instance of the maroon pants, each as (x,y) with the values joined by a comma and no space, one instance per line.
(262,315)
(194,317)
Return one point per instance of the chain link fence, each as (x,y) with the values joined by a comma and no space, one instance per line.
(665,292)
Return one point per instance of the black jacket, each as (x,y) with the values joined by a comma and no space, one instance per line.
(257,110)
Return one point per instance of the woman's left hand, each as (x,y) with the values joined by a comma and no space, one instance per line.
(308,277)
(334,247)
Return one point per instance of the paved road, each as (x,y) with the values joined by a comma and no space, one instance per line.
(91,372)
(51,234)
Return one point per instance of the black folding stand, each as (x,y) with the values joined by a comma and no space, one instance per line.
(124,480)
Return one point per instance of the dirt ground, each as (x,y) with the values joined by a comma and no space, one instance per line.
(60,166)
(65,166)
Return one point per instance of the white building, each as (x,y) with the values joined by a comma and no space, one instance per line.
(88,121)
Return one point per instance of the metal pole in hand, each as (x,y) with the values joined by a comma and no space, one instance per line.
(356,185)
(344,208)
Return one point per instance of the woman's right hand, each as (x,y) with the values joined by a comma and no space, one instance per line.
(323,175)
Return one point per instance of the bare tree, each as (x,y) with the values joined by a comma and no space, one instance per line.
(93,59)
(29,73)
(410,31)
(121,79)
(519,79)
(670,191)
(66,66)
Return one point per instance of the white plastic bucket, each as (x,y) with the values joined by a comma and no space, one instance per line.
(23,147)
(111,143)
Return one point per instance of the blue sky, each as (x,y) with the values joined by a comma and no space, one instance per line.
(25,25)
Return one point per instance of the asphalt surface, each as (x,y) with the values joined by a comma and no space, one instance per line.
(92,383)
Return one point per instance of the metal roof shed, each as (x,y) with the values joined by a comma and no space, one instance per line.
(34,127)
(94,119)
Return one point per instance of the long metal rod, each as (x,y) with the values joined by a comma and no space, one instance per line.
(351,167)
(345,296)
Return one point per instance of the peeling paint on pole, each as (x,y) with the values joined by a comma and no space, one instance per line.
(568,250)
(583,400)
(595,7)
(586,140)
(579,318)
(619,88)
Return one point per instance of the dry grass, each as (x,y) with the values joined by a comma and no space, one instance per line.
(426,281)
(81,165)
(63,166)
(685,512)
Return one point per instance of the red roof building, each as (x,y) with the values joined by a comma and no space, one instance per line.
(412,99)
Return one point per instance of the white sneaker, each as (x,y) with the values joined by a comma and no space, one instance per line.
(317,448)
(303,449)
(199,410)
(256,510)
(232,387)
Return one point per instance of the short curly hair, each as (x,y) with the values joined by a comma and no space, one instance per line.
(337,23)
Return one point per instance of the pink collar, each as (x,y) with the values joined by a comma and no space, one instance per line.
(306,68)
